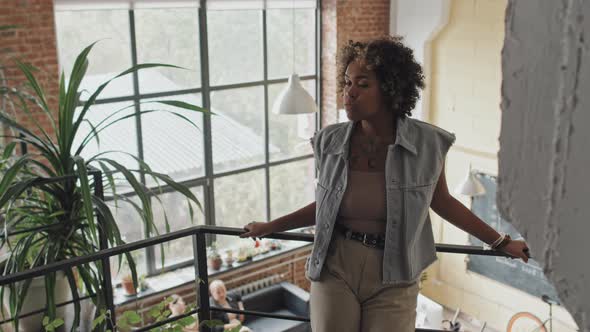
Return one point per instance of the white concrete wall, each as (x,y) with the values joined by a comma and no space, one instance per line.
(419,21)
(544,154)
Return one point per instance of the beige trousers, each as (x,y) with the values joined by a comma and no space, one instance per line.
(349,297)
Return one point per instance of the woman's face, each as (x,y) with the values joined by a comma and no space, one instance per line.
(218,292)
(362,95)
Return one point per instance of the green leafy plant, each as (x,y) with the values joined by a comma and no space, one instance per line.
(157,313)
(129,319)
(50,326)
(63,213)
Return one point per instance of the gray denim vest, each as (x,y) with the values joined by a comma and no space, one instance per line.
(413,165)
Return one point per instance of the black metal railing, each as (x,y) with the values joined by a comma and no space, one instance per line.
(200,264)
(198,234)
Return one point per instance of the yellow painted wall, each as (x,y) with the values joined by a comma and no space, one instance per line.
(464,98)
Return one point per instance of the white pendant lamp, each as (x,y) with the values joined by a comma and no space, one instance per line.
(294,99)
(471,186)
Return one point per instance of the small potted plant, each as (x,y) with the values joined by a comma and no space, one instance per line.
(128,286)
(127,280)
(229,257)
(213,257)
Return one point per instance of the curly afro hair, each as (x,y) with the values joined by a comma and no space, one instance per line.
(399,75)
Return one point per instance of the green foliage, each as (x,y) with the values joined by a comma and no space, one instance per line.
(128,319)
(65,212)
(158,313)
(50,326)
(235,329)
(213,323)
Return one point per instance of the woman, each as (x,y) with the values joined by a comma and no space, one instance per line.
(220,298)
(379,174)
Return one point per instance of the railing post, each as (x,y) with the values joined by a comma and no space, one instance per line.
(107,284)
(202,280)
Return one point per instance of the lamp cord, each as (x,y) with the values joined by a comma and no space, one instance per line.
(293,37)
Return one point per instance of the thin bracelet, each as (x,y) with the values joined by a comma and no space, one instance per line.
(504,242)
(498,241)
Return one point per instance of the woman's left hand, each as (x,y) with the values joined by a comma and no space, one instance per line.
(518,249)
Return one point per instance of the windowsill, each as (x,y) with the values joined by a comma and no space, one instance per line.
(161,283)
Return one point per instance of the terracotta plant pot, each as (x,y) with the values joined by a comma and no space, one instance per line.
(128,286)
(214,263)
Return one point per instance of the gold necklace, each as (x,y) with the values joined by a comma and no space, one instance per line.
(370,150)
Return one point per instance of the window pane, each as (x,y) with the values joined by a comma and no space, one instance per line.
(169,36)
(175,206)
(281,42)
(109,57)
(238,128)
(239,199)
(289,134)
(171,145)
(235,46)
(291,187)
(132,230)
(120,139)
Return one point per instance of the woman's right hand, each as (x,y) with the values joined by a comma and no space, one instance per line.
(256,229)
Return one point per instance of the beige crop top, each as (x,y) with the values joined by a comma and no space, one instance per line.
(363,207)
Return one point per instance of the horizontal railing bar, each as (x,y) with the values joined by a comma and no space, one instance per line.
(166,321)
(31,313)
(206,229)
(292,236)
(261,314)
(470,250)
(110,252)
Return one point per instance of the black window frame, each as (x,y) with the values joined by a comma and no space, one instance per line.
(207,181)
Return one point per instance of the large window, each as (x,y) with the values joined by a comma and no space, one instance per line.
(244,163)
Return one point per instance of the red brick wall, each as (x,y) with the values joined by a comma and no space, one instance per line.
(343,20)
(329,53)
(34,42)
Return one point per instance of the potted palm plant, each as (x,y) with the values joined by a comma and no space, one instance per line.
(47,197)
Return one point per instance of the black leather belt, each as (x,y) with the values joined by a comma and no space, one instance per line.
(368,239)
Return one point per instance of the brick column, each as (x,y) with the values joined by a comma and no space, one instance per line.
(343,20)
(32,41)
